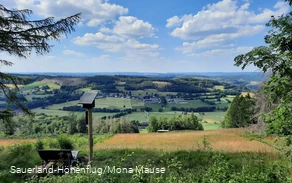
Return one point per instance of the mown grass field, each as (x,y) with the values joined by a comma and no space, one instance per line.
(219,87)
(86,90)
(185,104)
(113,103)
(61,105)
(53,112)
(225,140)
(210,117)
(39,84)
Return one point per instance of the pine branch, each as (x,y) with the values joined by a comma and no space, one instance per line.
(20,36)
(5,62)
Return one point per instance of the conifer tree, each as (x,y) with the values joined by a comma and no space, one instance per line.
(20,36)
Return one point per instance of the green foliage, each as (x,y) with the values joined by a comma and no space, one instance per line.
(21,36)
(153,124)
(191,122)
(1,148)
(276,58)
(8,124)
(72,123)
(39,144)
(81,125)
(240,113)
(64,142)
(21,155)
(121,125)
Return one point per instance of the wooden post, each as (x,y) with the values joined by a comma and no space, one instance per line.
(90,135)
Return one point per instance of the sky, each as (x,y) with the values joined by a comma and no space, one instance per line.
(149,36)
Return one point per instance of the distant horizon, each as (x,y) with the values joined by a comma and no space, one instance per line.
(144,72)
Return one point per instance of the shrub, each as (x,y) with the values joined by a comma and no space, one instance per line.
(64,142)
(1,148)
(39,145)
(20,155)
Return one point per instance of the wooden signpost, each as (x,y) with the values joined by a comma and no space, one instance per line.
(88,102)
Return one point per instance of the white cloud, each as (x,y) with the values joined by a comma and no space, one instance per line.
(218,53)
(131,27)
(105,30)
(72,52)
(116,43)
(220,40)
(95,11)
(219,24)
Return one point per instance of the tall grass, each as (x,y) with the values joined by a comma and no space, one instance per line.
(224,140)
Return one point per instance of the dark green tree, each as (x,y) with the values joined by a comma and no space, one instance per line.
(72,123)
(81,125)
(21,36)
(239,113)
(153,124)
(8,123)
(163,100)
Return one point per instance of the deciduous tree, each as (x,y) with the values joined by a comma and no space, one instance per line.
(276,57)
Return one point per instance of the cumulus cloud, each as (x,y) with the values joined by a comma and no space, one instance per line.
(220,23)
(117,32)
(94,12)
(116,43)
(131,27)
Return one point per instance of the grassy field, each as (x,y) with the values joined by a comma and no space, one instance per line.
(61,105)
(86,90)
(186,104)
(161,84)
(213,116)
(52,112)
(136,103)
(219,87)
(39,84)
(113,103)
(29,97)
(211,126)
(210,117)
(225,140)
(110,103)
(8,142)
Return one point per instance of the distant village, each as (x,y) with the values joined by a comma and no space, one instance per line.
(151,100)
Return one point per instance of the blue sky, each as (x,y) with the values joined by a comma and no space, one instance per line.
(150,36)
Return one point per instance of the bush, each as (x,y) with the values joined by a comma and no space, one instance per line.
(52,143)
(65,143)
(20,155)
(1,148)
(39,145)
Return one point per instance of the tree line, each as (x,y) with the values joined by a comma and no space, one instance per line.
(191,122)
